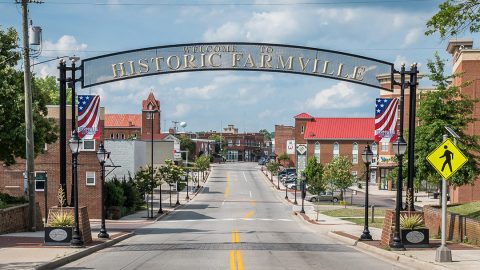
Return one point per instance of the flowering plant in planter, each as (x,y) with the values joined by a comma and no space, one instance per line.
(414,233)
(60,224)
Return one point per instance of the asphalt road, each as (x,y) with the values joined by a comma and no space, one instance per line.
(236,223)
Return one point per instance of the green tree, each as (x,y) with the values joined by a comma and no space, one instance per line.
(455,17)
(219,142)
(12,105)
(144,181)
(446,106)
(50,86)
(339,174)
(268,136)
(203,164)
(273,168)
(186,144)
(314,176)
(284,159)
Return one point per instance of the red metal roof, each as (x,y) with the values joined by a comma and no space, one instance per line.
(303,116)
(340,128)
(123,120)
(156,136)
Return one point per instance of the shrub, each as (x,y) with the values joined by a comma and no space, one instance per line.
(114,195)
(3,204)
(9,199)
(411,222)
(61,219)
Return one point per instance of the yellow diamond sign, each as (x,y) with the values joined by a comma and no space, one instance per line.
(447,159)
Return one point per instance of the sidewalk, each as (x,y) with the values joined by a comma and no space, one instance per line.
(26,250)
(465,257)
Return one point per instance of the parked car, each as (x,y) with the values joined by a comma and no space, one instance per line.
(289,181)
(262,161)
(324,196)
(292,185)
(288,171)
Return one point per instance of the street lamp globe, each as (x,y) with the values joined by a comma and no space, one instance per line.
(367,155)
(74,142)
(102,154)
(399,146)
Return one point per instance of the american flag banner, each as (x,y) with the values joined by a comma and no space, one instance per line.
(88,117)
(386,119)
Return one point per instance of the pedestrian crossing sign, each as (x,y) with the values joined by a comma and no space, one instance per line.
(447,158)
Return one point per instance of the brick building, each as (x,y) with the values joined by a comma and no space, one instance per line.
(88,172)
(240,146)
(282,135)
(466,60)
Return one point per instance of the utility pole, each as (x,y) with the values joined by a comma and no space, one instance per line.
(29,150)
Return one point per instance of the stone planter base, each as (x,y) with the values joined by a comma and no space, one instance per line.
(415,238)
(58,236)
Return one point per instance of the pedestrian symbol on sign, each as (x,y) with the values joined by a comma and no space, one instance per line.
(448,155)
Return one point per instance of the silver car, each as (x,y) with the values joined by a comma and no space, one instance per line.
(324,196)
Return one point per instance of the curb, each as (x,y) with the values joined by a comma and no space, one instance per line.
(73,257)
(391,256)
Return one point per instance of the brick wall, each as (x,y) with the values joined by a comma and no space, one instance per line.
(83,220)
(14,219)
(457,227)
(282,135)
(389,225)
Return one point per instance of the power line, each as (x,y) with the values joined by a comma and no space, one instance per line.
(229,4)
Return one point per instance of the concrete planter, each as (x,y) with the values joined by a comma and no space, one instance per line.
(415,238)
(58,236)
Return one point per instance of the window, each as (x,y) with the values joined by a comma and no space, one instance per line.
(90,178)
(135,135)
(385,146)
(374,148)
(316,152)
(355,153)
(117,136)
(123,136)
(88,145)
(302,129)
(354,173)
(40,178)
(336,150)
(111,136)
(230,142)
(238,142)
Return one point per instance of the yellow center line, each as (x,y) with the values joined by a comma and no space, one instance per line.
(236,262)
(249,214)
(227,188)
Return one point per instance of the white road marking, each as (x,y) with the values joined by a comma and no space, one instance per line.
(250,194)
(244,177)
(227,219)
(223,202)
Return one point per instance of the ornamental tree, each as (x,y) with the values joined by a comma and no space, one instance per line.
(338,173)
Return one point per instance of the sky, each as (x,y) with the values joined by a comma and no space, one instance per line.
(389,30)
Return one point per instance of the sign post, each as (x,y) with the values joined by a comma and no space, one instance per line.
(446,159)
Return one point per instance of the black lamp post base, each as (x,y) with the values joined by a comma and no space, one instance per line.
(366,236)
(177,203)
(160,211)
(302,211)
(295,202)
(397,245)
(76,242)
(187,198)
(103,234)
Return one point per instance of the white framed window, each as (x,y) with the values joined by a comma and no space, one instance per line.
(355,173)
(336,150)
(302,129)
(385,146)
(117,136)
(111,136)
(230,142)
(88,145)
(40,178)
(355,153)
(123,136)
(90,178)
(374,148)
(238,142)
(316,152)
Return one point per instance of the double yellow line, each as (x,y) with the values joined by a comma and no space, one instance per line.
(236,262)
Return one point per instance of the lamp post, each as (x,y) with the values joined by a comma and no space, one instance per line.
(303,195)
(399,148)
(102,156)
(295,201)
(367,157)
(286,194)
(160,210)
(278,178)
(74,144)
(186,177)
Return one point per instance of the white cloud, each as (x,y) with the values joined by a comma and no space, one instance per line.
(65,46)
(181,109)
(412,36)
(342,95)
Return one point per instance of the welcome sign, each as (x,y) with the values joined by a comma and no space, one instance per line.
(233,56)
